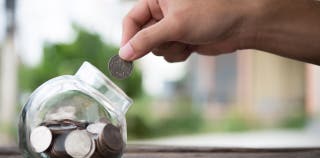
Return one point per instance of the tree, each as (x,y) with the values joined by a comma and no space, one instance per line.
(65,58)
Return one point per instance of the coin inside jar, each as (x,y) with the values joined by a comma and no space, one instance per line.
(79,144)
(58,147)
(111,137)
(40,139)
(96,128)
(120,68)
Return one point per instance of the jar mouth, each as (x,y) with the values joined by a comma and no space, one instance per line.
(96,79)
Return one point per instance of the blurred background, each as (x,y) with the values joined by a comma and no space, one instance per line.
(245,99)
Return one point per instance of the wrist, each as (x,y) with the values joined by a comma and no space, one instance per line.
(282,27)
(255,18)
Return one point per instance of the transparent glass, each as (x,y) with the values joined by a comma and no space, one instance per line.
(86,98)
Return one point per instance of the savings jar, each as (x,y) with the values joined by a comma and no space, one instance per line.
(79,116)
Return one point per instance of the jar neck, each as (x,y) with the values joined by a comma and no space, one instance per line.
(96,79)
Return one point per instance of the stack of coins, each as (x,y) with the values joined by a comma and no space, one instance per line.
(75,139)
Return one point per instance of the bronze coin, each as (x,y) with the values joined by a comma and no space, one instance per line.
(104,151)
(112,138)
(58,148)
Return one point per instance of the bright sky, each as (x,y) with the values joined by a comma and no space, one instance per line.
(50,20)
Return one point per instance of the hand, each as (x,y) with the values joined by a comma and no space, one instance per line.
(175,28)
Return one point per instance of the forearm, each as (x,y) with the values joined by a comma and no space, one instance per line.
(289,28)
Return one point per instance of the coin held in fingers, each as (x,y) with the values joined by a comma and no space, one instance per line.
(120,68)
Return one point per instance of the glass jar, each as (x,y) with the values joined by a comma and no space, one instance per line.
(75,116)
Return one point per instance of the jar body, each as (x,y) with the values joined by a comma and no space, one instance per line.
(67,117)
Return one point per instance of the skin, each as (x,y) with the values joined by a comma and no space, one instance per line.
(176,28)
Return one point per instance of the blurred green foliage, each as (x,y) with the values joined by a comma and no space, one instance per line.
(296,120)
(182,119)
(65,58)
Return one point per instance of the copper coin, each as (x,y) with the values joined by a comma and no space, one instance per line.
(58,148)
(112,138)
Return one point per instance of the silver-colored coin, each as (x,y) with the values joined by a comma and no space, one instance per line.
(40,138)
(96,128)
(120,68)
(79,144)
(60,128)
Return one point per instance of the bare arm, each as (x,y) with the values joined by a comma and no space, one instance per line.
(289,28)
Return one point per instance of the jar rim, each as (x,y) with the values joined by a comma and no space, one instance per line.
(88,72)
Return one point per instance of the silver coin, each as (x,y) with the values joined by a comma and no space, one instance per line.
(59,128)
(96,128)
(79,144)
(120,68)
(40,139)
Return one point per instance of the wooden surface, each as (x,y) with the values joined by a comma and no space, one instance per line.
(136,151)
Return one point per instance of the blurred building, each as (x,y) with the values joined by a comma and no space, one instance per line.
(313,90)
(264,85)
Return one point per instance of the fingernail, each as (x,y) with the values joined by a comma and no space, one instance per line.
(126,52)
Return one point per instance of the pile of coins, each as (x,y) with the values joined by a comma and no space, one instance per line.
(74,139)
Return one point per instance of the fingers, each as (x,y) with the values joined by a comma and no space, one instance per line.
(178,57)
(139,16)
(134,20)
(173,52)
(150,23)
(145,40)
(155,9)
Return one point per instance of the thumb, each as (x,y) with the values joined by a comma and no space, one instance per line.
(146,40)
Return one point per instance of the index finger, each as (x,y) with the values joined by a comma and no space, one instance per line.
(134,20)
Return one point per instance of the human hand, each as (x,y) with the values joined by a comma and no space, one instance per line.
(175,28)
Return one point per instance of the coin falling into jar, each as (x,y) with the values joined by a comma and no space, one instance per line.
(120,68)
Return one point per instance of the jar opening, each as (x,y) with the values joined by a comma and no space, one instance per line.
(96,79)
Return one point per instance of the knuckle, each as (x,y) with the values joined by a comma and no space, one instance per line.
(169,59)
(181,58)
(156,52)
(166,45)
